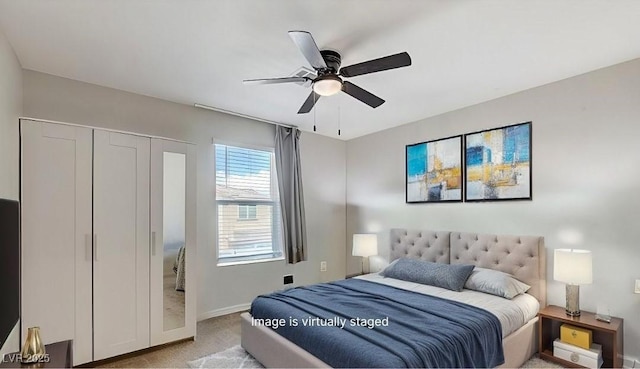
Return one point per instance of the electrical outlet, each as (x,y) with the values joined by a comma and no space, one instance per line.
(637,286)
(288,279)
(323,266)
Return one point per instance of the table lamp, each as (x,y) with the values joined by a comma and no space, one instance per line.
(365,245)
(573,267)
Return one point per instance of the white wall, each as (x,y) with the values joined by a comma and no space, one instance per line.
(219,288)
(10,110)
(586,180)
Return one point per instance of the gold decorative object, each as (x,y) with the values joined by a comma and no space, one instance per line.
(33,348)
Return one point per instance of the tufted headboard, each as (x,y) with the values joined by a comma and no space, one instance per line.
(523,257)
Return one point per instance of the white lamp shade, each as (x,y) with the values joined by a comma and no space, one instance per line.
(572,266)
(365,245)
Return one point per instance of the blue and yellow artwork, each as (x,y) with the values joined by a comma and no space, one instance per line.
(498,164)
(434,171)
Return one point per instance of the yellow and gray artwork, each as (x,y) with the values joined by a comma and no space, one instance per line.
(498,164)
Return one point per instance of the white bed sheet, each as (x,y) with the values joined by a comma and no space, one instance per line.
(512,314)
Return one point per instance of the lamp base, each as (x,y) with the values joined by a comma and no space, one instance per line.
(572,313)
(365,265)
(573,300)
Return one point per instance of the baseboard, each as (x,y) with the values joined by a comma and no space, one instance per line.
(628,362)
(224,311)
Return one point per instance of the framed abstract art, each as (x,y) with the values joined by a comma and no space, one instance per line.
(498,164)
(434,171)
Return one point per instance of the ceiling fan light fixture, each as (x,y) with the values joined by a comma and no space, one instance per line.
(327,85)
(327,67)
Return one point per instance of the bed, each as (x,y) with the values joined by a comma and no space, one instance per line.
(520,256)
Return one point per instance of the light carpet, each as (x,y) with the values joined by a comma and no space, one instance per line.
(237,357)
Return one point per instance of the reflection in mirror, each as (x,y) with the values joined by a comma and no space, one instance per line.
(173,214)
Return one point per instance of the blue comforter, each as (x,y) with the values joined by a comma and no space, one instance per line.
(336,322)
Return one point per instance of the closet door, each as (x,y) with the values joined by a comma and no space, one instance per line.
(121,243)
(56,234)
(173,241)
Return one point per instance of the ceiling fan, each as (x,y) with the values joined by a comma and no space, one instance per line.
(329,76)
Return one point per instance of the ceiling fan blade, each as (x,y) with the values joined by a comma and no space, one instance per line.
(269,81)
(309,49)
(361,94)
(309,103)
(377,65)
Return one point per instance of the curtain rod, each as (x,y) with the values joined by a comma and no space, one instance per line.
(201,106)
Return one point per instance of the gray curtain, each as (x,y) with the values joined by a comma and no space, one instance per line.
(291,197)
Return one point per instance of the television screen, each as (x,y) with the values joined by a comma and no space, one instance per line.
(9,267)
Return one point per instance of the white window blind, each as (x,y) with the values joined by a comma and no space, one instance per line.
(248,206)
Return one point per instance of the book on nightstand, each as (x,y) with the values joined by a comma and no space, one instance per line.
(591,358)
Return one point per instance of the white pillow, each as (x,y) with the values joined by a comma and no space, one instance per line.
(496,283)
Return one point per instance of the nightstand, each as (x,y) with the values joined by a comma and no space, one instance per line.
(609,335)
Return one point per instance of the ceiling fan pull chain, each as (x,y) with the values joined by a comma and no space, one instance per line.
(314,112)
(338,120)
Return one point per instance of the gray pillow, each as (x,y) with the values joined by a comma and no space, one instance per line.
(496,283)
(451,277)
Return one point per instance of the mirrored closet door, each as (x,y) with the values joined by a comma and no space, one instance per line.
(172,241)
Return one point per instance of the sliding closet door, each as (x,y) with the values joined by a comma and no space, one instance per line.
(121,243)
(173,241)
(56,234)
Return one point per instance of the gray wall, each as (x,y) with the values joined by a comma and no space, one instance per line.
(586,182)
(220,289)
(10,110)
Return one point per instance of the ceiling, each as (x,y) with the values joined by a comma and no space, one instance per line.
(188,51)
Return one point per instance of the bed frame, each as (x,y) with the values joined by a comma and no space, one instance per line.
(521,256)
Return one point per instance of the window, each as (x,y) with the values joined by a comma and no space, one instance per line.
(248,205)
(247,212)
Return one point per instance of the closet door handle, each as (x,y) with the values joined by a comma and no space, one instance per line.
(87,247)
(153,243)
(95,247)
